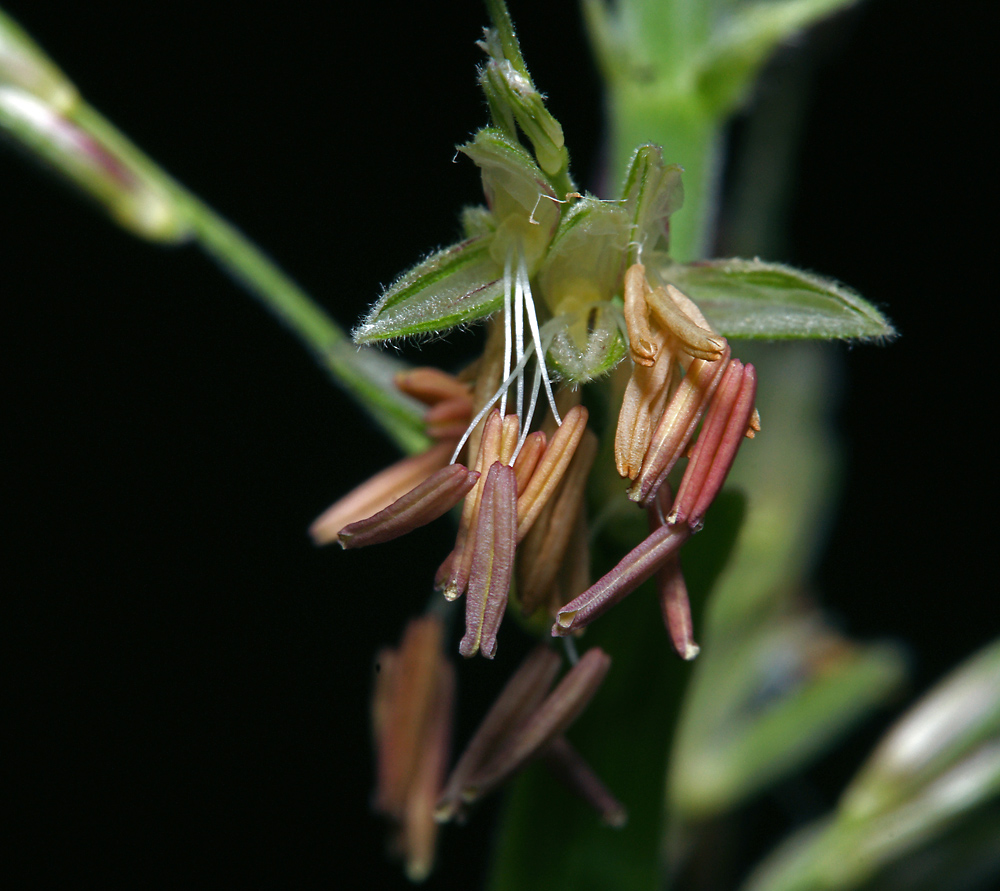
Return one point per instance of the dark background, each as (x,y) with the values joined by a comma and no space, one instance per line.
(190,676)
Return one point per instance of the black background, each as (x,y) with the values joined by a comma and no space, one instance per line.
(190,676)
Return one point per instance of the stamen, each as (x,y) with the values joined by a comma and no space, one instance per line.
(560,708)
(666,304)
(640,339)
(430,385)
(411,719)
(677,426)
(550,469)
(541,555)
(569,766)
(674,603)
(526,424)
(676,608)
(434,497)
(461,566)
(643,404)
(379,492)
(420,826)
(711,461)
(574,574)
(526,459)
(448,418)
(401,707)
(492,562)
(522,694)
(637,566)
(509,438)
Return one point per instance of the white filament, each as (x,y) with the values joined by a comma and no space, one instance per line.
(522,277)
(517,289)
(506,332)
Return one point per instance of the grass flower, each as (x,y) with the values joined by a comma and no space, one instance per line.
(570,287)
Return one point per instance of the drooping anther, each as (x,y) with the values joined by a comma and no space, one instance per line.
(677,425)
(675,605)
(492,562)
(637,566)
(379,492)
(432,498)
(522,725)
(725,428)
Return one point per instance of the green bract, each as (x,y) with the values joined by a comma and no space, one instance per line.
(652,192)
(576,248)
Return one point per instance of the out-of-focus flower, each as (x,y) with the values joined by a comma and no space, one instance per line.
(44,113)
(528,721)
(411,716)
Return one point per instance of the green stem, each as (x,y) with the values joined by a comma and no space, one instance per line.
(363,373)
(689,136)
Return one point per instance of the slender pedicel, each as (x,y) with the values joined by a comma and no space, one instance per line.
(434,497)
(570,767)
(637,566)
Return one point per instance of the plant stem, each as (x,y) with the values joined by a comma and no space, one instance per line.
(363,373)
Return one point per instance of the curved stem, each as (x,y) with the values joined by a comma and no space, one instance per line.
(362,372)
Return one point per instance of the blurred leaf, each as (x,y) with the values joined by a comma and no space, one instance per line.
(770,703)
(744,40)
(961,713)
(938,766)
(964,858)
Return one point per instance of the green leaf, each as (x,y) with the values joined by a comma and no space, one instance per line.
(754,299)
(459,284)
